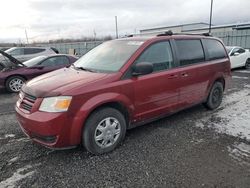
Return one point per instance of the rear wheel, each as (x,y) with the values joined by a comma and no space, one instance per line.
(215,96)
(104,130)
(247,65)
(14,84)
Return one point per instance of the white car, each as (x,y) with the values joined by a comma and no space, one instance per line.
(26,53)
(239,57)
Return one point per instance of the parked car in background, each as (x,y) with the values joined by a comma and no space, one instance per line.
(239,57)
(122,84)
(14,75)
(26,53)
(4,48)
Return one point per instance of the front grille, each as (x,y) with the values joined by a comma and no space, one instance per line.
(26,101)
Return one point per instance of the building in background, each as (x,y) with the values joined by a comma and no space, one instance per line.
(196,28)
(237,34)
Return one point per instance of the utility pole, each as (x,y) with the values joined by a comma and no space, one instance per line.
(211,15)
(116,27)
(94,35)
(26,37)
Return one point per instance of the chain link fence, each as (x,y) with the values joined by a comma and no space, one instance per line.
(81,48)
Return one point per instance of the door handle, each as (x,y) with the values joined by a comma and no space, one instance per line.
(172,76)
(184,74)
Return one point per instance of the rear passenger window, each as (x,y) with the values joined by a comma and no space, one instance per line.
(159,54)
(190,51)
(33,50)
(215,49)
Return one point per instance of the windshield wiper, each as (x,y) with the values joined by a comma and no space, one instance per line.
(86,69)
(82,68)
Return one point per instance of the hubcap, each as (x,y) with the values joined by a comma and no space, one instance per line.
(216,96)
(16,84)
(107,132)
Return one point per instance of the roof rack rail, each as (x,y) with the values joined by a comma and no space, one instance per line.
(167,33)
(129,35)
(170,33)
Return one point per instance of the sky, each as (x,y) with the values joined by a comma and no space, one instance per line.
(54,19)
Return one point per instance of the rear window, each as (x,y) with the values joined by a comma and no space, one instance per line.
(215,49)
(33,50)
(190,51)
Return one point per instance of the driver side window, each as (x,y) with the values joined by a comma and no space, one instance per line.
(159,54)
(238,50)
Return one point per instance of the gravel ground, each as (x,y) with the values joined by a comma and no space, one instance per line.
(172,152)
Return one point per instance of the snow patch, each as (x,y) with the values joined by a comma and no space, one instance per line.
(13,160)
(247,86)
(243,71)
(20,174)
(240,153)
(241,77)
(7,136)
(234,116)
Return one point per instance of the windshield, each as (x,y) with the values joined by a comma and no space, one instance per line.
(34,61)
(109,56)
(229,49)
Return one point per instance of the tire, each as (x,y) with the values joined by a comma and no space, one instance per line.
(215,96)
(108,122)
(14,84)
(247,65)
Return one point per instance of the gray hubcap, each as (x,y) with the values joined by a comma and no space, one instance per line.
(16,84)
(107,132)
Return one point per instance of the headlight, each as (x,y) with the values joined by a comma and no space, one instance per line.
(55,104)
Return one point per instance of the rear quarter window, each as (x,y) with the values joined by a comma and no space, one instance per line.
(190,51)
(215,49)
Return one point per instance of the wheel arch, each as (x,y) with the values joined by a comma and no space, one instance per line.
(222,80)
(13,76)
(217,79)
(117,101)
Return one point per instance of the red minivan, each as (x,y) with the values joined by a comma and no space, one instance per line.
(121,84)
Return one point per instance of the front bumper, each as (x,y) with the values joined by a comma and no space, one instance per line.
(49,129)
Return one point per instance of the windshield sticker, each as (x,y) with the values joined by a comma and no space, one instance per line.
(137,43)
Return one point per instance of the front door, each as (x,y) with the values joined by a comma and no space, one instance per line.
(157,93)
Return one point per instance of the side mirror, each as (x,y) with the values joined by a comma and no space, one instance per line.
(142,69)
(236,54)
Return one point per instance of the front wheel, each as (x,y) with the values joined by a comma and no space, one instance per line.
(215,96)
(14,84)
(247,65)
(104,130)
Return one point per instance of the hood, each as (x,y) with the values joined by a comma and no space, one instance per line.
(58,82)
(8,60)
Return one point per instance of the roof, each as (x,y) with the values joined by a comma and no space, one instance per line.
(174,36)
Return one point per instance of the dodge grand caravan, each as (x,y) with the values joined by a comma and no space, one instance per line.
(121,84)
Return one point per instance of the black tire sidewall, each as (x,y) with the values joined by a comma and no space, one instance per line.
(90,127)
(8,82)
(247,66)
(209,103)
